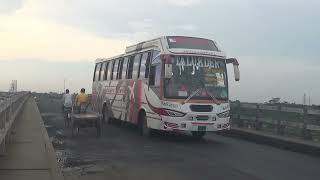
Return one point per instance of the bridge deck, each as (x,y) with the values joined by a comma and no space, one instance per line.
(28,155)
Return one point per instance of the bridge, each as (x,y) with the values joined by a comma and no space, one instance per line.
(261,145)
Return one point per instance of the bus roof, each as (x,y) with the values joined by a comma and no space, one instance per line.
(174,44)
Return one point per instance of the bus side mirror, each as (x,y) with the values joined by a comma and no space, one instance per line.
(236,70)
(168,71)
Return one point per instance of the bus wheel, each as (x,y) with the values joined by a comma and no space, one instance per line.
(198,134)
(144,130)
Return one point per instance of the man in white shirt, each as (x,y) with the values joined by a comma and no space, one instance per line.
(67,107)
(67,100)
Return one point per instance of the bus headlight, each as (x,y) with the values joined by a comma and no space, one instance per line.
(172,113)
(224,114)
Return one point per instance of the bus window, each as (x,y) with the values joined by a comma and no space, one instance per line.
(119,74)
(114,69)
(124,67)
(102,71)
(109,74)
(106,68)
(94,72)
(136,64)
(155,72)
(130,68)
(98,67)
(144,66)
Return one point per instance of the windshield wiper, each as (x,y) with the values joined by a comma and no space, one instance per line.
(191,95)
(215,100)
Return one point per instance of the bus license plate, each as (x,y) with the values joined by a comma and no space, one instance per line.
(202,128)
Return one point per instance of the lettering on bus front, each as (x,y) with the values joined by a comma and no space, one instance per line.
(167,104)
(197,61)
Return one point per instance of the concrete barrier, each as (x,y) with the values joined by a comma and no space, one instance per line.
(56,172)
(31,155)
(10,107)
(289,143)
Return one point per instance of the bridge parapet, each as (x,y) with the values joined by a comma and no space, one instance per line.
(10,106)
(281,119)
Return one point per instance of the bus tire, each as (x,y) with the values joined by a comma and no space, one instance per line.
(198,134)
(143,127)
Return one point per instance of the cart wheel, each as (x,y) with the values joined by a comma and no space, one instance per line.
(65,120)
(99,127)
(69,122)
(105,115)
(73,126)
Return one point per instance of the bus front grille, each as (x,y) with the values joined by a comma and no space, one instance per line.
(202,118)
(201,108)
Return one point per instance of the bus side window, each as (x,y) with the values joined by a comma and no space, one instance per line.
(144,65)
(146,75)
(155,71)
(136,64)
(130,67)
(119,73)
(102,71)
(124,67)
(110,70)
(94,72)
(114,69)
(97,74)
(154,77)
(106,71)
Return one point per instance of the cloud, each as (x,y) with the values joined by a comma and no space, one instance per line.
(185,27)
(184,3)
(28,37)
(259,28)
(9,6)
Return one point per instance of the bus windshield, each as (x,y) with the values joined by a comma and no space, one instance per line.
(197,78)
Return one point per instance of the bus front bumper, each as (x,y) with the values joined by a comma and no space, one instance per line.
(174,124)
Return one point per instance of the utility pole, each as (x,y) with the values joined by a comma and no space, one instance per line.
(304,99)
(309,101)
(64,85)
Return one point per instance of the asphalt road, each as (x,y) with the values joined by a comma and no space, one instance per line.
(122,154)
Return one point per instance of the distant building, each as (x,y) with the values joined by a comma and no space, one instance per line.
(274,101)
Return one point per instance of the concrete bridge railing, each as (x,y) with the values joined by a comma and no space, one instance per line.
(302,122)
(10,107)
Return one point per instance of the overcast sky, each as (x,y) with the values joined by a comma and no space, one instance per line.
(276,41)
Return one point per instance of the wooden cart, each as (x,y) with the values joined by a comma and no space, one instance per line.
(85,119)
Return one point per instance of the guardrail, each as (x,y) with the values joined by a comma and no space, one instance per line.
(280,119)
(10,106)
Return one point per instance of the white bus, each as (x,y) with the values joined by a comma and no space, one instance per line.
(171,83)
